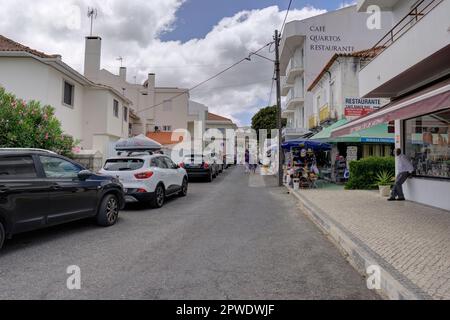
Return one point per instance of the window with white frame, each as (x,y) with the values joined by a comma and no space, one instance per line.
(68,94)
(125,114)
(167,128)
(116,108)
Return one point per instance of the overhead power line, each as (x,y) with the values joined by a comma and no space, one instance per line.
(285,18)
(244,84)
(207,80)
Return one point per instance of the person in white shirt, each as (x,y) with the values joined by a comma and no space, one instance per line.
(405,169)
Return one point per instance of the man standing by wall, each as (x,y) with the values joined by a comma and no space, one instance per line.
(405,169)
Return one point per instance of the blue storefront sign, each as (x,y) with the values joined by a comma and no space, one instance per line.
(377,140)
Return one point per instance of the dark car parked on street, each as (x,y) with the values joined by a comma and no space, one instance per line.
(39,189)
(201,166)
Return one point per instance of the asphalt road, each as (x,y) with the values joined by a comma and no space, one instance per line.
(237,238)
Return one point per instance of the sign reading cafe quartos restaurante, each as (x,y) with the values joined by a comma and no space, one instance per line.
(320,40)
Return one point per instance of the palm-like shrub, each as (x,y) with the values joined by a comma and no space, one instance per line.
(384,178)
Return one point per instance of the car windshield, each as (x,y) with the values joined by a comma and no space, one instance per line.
(123,164)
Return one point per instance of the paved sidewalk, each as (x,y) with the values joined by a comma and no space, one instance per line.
(411,238)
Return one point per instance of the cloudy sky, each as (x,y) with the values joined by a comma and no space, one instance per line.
(183,41)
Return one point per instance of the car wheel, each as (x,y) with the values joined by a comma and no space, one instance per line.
(210,176)
(184,188)
(2,235)
(108,213)
(159,198)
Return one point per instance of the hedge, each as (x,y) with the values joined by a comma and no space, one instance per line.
(363,172)
(29,125)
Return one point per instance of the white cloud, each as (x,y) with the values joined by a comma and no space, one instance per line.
(132,31)
(346,4)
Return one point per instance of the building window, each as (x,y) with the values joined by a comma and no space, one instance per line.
(167,128)
(116,108)
(68,94)
(426,141)
(125,114)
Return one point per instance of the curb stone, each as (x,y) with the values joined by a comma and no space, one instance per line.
(394,285)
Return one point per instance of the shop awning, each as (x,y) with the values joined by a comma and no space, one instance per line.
(376,134)
(431,99)
(325,134)
(307,144)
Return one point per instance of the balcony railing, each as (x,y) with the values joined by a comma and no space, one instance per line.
(418,12)
(294,69)
(313,121)
(294,64)
(285,86)
(324,113)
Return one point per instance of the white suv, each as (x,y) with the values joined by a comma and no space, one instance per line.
(147,178)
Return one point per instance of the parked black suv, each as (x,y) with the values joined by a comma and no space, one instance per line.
(39,188)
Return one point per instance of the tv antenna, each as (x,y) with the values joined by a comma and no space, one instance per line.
(121,61)
(92,14)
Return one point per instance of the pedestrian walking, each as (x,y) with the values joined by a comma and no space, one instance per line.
(405,169)
(247,161)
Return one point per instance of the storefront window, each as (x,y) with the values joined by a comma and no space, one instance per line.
(427,144)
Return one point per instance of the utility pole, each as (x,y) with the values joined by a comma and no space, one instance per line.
(279,123)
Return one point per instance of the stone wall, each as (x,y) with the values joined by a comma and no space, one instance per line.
(90,160)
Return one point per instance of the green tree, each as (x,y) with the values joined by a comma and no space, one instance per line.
(266,118)
(28,125)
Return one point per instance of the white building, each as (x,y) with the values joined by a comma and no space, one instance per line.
(413,70)
(335,84)
(158,109)
(306,46)
(99,107)
(92,113)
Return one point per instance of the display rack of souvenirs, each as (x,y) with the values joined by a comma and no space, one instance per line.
(341,172)
(303,169)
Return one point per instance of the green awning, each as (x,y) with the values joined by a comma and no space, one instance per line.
(376,134)
(325,134)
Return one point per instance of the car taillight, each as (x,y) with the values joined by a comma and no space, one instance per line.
(144,175)
(205,165)
(141,191)
(182,165)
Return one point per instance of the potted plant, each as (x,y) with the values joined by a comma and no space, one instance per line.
(384,181)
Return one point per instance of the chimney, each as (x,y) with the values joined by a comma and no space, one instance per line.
(92,57)
(151,82)
(123,73)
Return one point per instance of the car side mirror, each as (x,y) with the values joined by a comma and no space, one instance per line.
(84,175)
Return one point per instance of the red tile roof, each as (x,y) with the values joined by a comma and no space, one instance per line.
(216,117)
(164,138)
(365,54)
(9,45)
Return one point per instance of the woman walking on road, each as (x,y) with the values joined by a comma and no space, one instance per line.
(247,161)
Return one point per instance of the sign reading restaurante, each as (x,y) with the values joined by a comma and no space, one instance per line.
(356,107)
